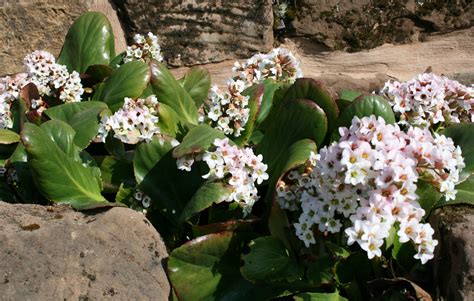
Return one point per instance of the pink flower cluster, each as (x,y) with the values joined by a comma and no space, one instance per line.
(370,177)
(239,168)
(228,110)
(429,100)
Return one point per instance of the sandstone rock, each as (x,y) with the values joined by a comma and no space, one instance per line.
(26,26)
(355,25)
(55,253)
(454,256)
(451,54)
(197,32)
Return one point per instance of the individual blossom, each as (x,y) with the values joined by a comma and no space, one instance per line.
(136,121)
(369,178)
(239,168)
(145,49)
(431,101)
(10,87)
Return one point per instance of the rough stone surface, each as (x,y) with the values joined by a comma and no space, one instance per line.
(451,54)
(197,31)
(454,256)
(31,25)
(355,25)
(55,253)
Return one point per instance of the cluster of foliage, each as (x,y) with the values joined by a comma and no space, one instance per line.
(233,179)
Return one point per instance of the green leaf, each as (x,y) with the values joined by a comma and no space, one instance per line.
(320,271)
(346,97)
(428,196)
(461,134)
(269,260)
(270,88)
(129,80)
(365,105)
(205,196)
(308,88)
(197,82)
(337,250)
(170,188)
(300,119)
(255,92)
(198,139)
(115,172)
(83,117)
(170,92)
(62,135)
(319,297)
(168,120)
(207,268)
(8,137)
(99,72)
(59,177)
(147,156)
(89,41)
(465,194)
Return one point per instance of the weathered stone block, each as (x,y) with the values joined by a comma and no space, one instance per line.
(56,253)
(197,31)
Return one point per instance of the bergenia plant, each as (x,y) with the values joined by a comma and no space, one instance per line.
(272,187)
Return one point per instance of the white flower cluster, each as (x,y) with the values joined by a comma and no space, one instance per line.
(145,49)
(51,78)
(239,168)
(428,100)
(10,87)
(370,177)
(136,121)
(228,110)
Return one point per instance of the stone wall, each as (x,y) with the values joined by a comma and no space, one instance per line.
(197,31)
(363,24)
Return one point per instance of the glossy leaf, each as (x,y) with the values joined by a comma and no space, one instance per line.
(462,135)
(255,94)
(270,87)
(115,172)
(205,196)
(270,260)
(207,268)
(129,80)
(89,41)
(197,82)
(170,92)
(67,182)
(319,297)
(98,73)
(428,196)
(301,119)
(366,105)
(83,117)
(8,137)
(168,121)
(198,139)
(147,156)
(308,88)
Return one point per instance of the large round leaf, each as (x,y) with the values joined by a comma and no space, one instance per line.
(208,194)
(197,82)
(462,135)
(270,260)
(83,117)
(129,80)
(170,92)
(300,119)
(308,88)
(114,173)
(207,268)
(89,41)
(147,156)
(197,140)
(366,105)
(271,88)
(59,177)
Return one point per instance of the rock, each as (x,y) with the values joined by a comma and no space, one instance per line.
(55,253)
(356,25)
(26,26)
(451,54)
(196,32)
(454,256)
